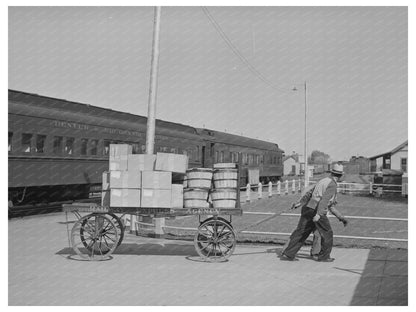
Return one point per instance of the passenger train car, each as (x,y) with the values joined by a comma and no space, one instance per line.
(58,149)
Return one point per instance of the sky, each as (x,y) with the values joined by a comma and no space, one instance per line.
(229,69)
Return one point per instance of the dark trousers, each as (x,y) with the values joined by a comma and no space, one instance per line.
(327,237)
(305,227)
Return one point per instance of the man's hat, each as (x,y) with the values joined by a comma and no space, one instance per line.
(337,169)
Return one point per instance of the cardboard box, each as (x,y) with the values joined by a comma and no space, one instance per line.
(141,162)
(177,196)
(171,162)
(157,180)
(125,197)
(106,181)
(120,150)
(154,198)
(105,198)
(125,179)
(118,163)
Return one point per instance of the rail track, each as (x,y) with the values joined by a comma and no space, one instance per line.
(44,208)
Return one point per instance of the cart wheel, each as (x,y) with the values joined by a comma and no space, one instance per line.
(215,240)
(119,225)
(94,237)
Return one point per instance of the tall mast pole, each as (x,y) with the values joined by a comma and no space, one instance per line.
(151,109)
(306,148)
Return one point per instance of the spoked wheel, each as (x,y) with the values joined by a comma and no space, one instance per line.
(94,237)
(215,240)
(119,225)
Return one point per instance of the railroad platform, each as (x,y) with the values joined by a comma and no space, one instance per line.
(43,270)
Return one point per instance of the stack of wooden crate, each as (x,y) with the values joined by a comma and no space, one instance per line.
(142,180)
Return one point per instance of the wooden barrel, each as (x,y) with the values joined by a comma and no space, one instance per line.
(199,178)
(225,178)
(224,198)
(195,198)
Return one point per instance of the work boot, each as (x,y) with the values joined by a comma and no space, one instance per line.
(326,260)
(287,258)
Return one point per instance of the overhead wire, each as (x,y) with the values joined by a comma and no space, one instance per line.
(235,50)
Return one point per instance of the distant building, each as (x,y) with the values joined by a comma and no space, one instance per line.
(357,165)
(291,165)
(396,159)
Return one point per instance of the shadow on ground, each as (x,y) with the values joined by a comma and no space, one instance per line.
(384,281)
(147,250)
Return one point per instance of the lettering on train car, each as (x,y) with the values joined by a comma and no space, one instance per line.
(122,132)
(70,125)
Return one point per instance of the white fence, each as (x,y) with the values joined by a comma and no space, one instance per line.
(259,191)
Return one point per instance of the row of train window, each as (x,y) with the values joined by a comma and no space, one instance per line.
(60,145)
(36,143)
(247,159)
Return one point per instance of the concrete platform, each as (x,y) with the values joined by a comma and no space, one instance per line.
(155,272)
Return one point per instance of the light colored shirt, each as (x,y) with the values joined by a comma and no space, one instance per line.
(323,195)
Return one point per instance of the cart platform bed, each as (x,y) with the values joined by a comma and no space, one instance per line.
(96,235)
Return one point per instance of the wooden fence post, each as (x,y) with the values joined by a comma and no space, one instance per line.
(286,187)
(248,188)
(270,188)
(300,185)
(278,187)
(371,188)
(260,191)
(293,186)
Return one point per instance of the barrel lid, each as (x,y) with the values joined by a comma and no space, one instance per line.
(199,170)
(224,165)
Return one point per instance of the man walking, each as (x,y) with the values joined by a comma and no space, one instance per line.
(314,216)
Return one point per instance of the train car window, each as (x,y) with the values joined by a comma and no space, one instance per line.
(275,160)
(173,150)
(94,147)
(217,156)
(106,149)
(221,156)
(57,144)
(10,141)
(212,150)
(40,143)
(261,159)
(236,157)
(84,146)
(69,146)
(198,152)
(26,142)
(257,159)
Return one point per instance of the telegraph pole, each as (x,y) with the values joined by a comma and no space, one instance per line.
(306,171)
(151,109)
(306,148)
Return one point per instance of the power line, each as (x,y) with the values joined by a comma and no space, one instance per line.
(235,50)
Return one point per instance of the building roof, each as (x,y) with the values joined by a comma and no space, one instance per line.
(393,151)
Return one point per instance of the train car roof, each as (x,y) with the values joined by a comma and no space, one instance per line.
(86,109)
(234,139)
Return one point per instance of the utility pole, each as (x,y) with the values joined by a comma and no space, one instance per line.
(306,148)
(151,109)
(306,171)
